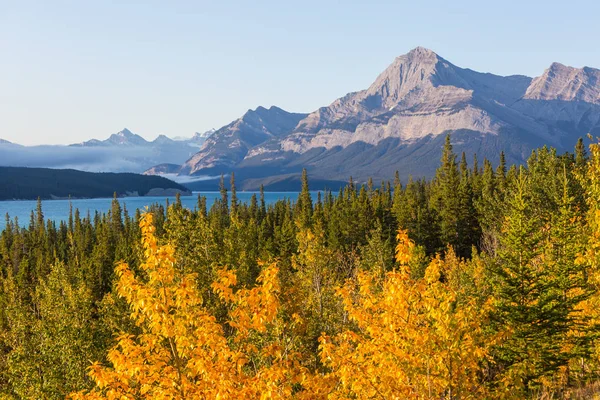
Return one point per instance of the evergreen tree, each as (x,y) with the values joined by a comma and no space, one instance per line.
(469,231)
(529,309)
(304,204)
(580,154)
(234,199)
(445,201)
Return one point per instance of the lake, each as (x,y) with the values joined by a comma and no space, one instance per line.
(58,210)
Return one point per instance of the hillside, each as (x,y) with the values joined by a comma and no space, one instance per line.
(31,183)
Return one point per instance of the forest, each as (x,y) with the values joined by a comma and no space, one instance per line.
(480,283)
(31,183)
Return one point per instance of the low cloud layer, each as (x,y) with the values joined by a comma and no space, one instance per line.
(93,159)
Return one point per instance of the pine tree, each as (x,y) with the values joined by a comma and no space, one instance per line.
(224,205)
(116,216)
(304,204)
(580,154)
(529,308)
(445,201)
(469,231)
(500,175)
(234,199)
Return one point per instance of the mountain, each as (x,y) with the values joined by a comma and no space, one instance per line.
(198,138)
(229,145)
(201,136)
(560,82)
(567,99)
(122,138)
(163,140)
(31,183)
(399,123)
(123,151)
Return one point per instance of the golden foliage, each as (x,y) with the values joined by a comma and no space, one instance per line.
(409,338)
(412,338)
(181,351)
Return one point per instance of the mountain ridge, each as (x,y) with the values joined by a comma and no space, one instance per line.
(123,151)
(419,97)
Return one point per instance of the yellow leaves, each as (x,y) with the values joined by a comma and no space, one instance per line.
(182,352)
(434,271)
(222,287)
(254,308)
(404,247)
(410,337)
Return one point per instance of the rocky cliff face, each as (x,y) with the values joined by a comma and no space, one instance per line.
(396,123)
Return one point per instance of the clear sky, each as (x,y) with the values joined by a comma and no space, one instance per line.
(73,70)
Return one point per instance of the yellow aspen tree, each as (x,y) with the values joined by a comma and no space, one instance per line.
(412,337)
(181,351)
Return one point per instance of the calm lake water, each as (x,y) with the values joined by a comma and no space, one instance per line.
(58,210)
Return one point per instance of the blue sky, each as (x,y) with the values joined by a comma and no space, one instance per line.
(73,70)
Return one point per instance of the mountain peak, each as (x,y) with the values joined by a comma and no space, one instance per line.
(162,139)
(126,137)
(418,70)
(125,133)
(566,83)
(421,53)
(260,110)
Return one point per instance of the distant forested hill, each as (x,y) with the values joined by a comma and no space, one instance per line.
(31,183)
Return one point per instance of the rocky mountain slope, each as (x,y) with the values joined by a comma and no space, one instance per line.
(399,123)
(228,146)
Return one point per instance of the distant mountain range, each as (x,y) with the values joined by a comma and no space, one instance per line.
(400,121)
(396,124)
(121,152)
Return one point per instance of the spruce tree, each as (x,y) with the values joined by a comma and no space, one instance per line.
(304,205)
(234,199)
(580,153)
(446,201)
(469,231)
(529,309)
